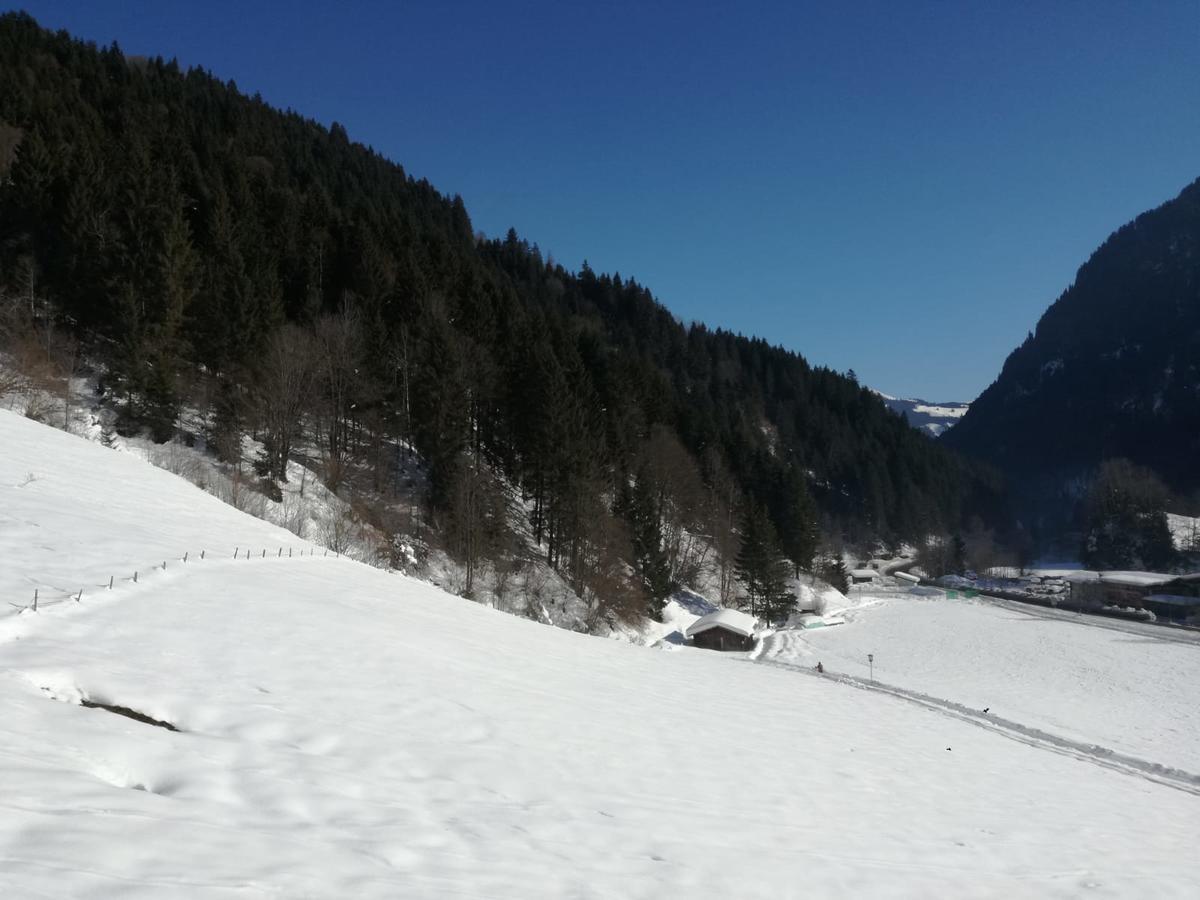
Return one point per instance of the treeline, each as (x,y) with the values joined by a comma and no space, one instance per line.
(200,241)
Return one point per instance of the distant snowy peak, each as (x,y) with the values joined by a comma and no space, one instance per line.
(932,418)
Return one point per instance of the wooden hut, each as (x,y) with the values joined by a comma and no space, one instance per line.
(1178,600)
(863,576)
(725,629)
(1121,589)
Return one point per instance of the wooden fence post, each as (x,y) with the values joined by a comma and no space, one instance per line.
(35,598)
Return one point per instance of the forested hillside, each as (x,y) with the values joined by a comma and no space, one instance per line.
(1112,369)
(208,249)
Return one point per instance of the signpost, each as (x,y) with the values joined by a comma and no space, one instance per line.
(871,663)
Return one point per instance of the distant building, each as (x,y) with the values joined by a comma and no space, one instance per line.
(726,629)
(906,579)
(863,576)
(1175,597)
(1177,600)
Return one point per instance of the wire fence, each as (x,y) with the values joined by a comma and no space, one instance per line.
(44,596)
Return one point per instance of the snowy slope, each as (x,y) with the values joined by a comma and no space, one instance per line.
(76,514)
(1185,530)
(349,733)
(932,418)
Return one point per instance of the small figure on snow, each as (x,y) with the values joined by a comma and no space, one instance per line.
(820,668)
(985,710)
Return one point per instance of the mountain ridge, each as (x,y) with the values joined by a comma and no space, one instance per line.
(934,419)
(1112,368)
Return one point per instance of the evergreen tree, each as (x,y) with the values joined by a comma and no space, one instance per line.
(228,423)
(799,535)
(762,569)
(1125,521)
(958,554)
(646,542)
(835,574)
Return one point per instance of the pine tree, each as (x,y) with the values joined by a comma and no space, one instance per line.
(1125,521)
(762,569)
(798,530)
(836,575)
(228,426)
(958,554)
(649,558)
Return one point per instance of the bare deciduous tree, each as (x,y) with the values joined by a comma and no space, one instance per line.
(336,369)
(477,528)
(721,515)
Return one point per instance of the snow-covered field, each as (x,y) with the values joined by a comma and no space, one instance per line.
(1125,686)
(344,732)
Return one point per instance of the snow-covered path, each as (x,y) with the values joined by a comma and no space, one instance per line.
(1189,782)
(1124,686)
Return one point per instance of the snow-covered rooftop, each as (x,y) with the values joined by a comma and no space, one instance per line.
(863,573)
(1129,579)
(730,619)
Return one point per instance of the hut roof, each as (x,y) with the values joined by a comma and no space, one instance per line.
(1126,579)
(905,576)
(863,573)
(729,619)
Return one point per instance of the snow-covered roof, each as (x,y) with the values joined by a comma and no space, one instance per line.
(1128,579)
(863,573)
(729,619)
(905,576)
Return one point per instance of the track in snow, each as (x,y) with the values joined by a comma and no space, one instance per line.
(1173,634)
(1034,737)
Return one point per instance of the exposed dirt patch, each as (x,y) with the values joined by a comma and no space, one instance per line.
(128,713)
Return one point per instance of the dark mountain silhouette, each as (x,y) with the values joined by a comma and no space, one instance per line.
(1113,367)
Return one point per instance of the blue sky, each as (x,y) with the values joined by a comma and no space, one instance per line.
(897,188)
